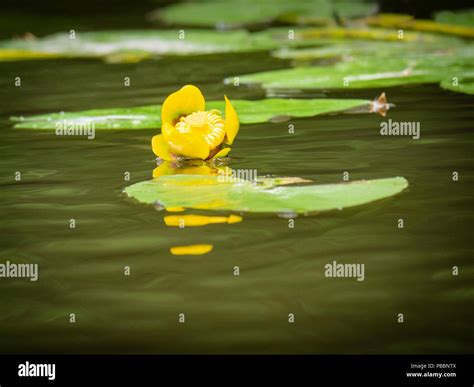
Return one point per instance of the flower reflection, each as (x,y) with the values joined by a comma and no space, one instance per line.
(191,249)
(193,167)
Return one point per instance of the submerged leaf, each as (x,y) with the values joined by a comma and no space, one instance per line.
(210,193)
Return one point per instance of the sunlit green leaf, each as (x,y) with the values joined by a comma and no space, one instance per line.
(149,117)
(134,45)
(239,13)
(209,192)
(462,17)
(251,112)
(380,64)
(452,24)
(328,12)
(463,85)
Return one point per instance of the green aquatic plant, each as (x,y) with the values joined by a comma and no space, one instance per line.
(149,117)
(240,13)
(134,45)
(367,65)
(214,192)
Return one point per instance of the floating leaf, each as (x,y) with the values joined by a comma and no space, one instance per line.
(344,50)
(140,117)
(327,12)
(15,54)
(219,14)
(409,23)
(316,35)
(251,112)
(134,45)
(463,85)
(238,13)
(361,74)
(210,193)
(378,65)
(462,18)
(149,117)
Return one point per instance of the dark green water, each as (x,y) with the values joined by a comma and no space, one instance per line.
(407,270)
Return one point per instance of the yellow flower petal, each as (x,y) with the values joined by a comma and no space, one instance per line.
(231,121)
(186,100)
(191,250)
(160,148)
(188,145)
(222,153)
(166,130)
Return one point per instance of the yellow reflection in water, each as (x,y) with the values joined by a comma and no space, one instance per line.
(191,249)
(175,209)
(199,220)
(193,168)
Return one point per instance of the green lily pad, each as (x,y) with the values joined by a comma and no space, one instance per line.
(209,192)
(219,14)
(140,117)
(344,50)
(134,45)
(464,85)
(380,64)
(447,23)
(462,18)
(149,117)
(239,13)
(252,112)
(364,73)
(324,12)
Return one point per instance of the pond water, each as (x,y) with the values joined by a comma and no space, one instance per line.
(407,270)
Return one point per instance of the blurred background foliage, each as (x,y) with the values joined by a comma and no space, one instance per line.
(43,17)
(325,40)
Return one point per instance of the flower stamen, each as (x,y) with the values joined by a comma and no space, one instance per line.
(208,123)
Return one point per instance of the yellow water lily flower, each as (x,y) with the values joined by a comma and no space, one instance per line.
(188,130)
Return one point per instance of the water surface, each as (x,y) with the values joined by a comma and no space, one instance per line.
(407,270)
